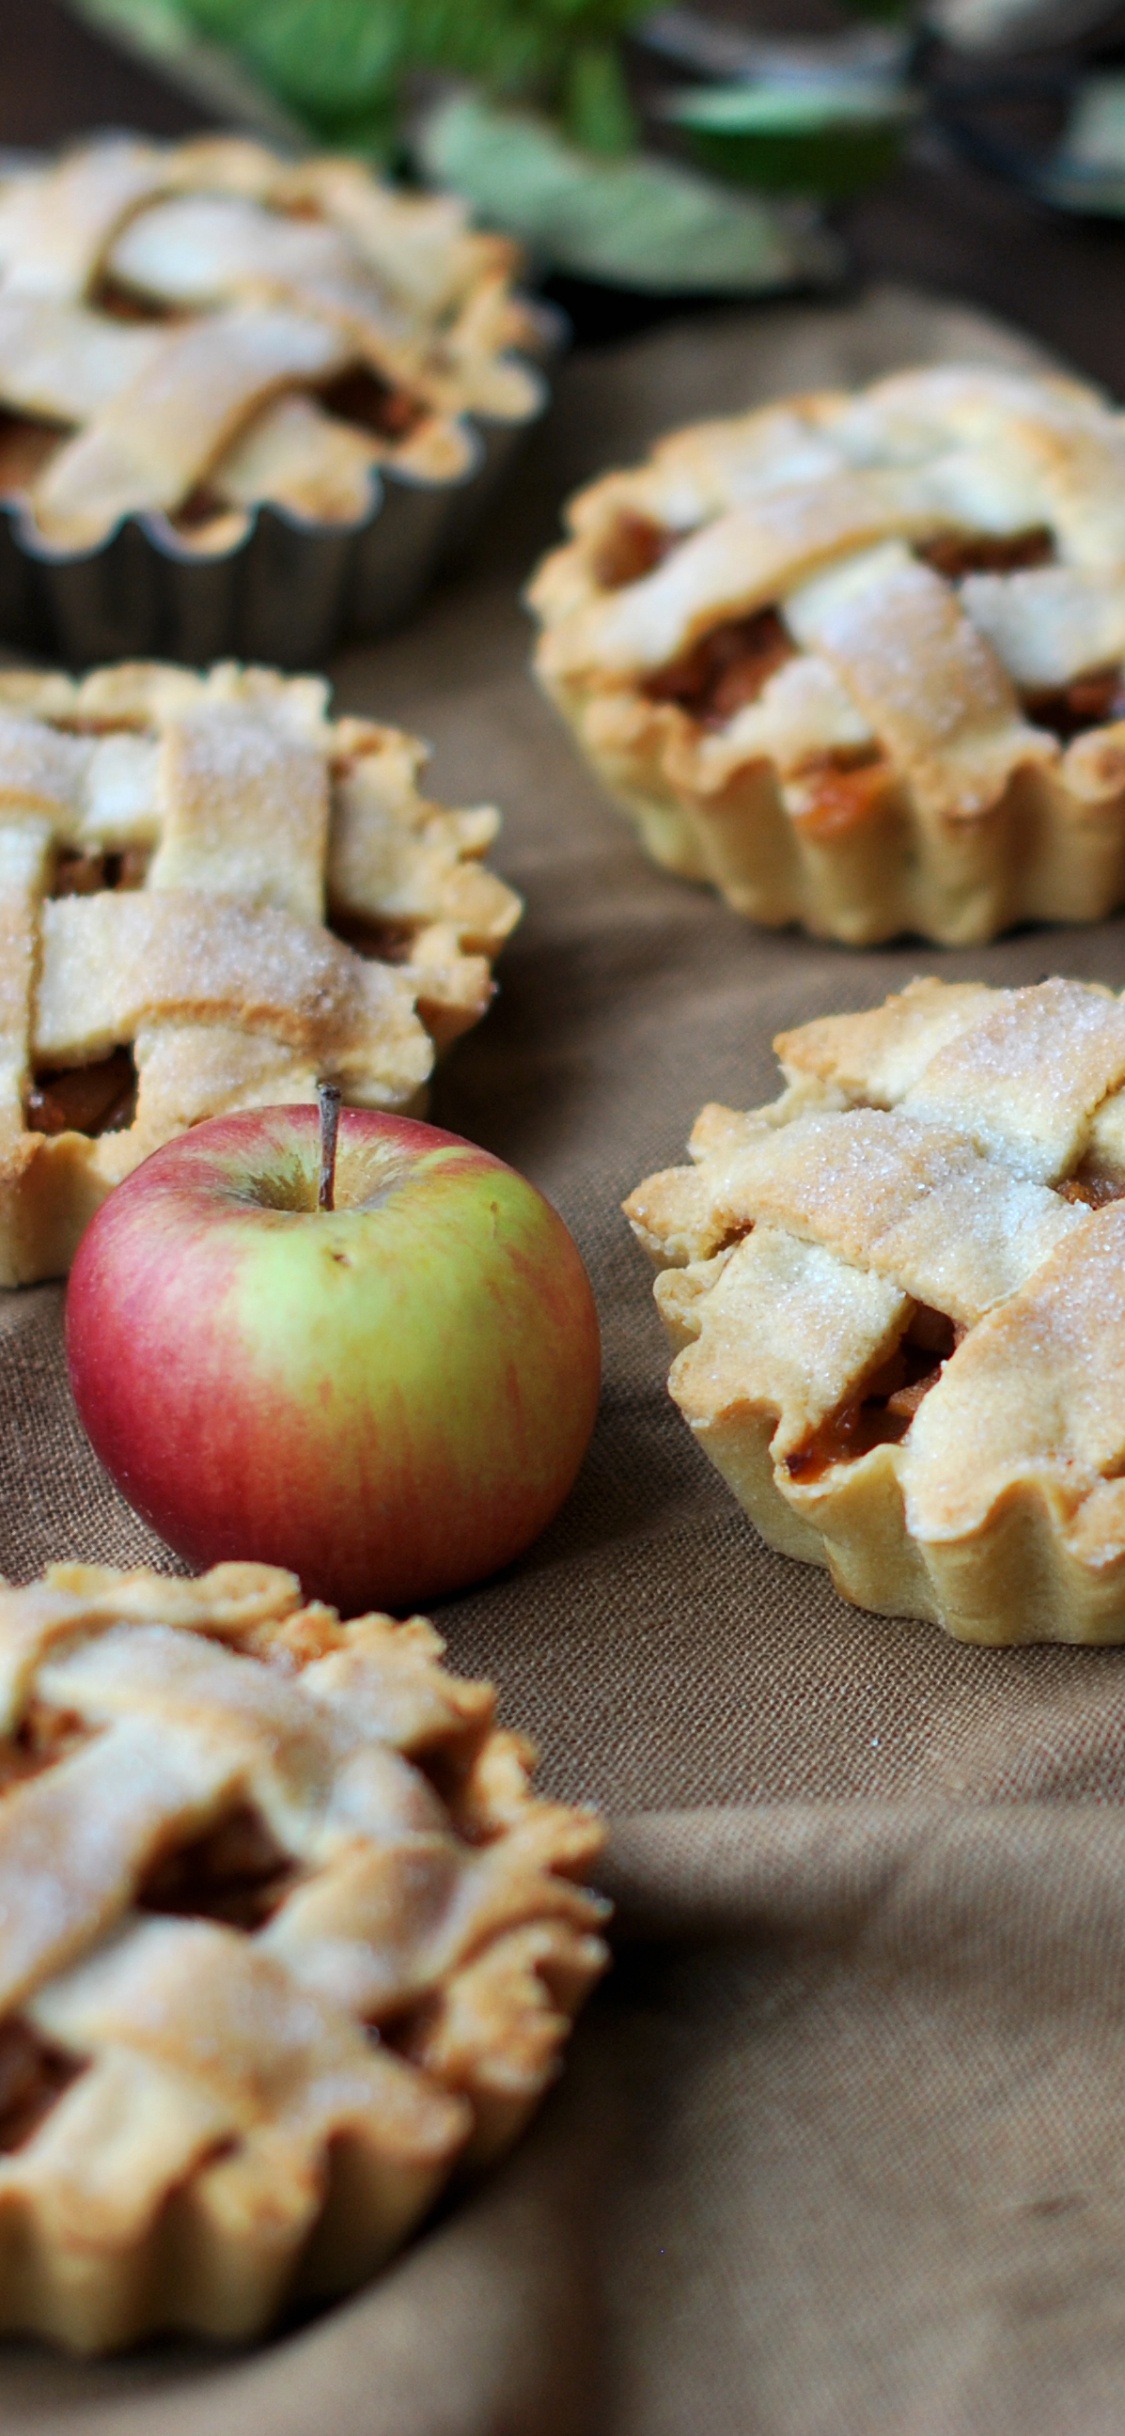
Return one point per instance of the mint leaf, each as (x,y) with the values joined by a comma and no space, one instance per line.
(642,223)
(324,57)
(597,111)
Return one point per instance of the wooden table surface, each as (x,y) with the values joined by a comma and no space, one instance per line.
(939,223)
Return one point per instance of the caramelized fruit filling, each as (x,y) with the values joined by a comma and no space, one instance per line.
(883,1407)
(1090,700)
(32,2077)
(24,448)
(726,669)
(45,1735)
(201,507)
(632,548)
(110,296)
(85,875)
(954,554)
(360,396)
(236,1872)
(840,789)
(391,942)
(94,1099)
(1093,1189)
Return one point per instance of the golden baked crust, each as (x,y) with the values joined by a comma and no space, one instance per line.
(189,329)
(859,659)
(287,1936)
(898,1294)
(173,849)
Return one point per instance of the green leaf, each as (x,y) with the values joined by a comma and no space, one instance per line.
(338,64)
(597,111)
(641,223)
(329,58)
(226,19)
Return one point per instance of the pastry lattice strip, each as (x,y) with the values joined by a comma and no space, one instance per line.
(205,833)
(860,659)
(200,326)
(286,1935)
(897,1301)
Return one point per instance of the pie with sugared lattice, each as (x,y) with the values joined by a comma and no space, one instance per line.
(860,660)
(899,1297)
(189,329)
(211,896)
(287,1938)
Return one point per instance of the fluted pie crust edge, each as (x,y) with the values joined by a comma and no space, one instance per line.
(212,894)
(897,1295)
(857,660)
(288,1940)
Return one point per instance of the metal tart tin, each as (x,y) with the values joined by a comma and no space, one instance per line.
(282,590)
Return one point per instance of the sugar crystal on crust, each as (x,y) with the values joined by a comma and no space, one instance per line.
(898,1305)
(285,1924)
(188,330)
(943,558)
(173,851)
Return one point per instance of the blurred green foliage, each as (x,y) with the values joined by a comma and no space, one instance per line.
(340,64)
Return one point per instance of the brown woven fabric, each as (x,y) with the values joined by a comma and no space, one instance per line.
(842,2146)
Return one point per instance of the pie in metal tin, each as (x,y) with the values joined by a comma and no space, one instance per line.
(858,659)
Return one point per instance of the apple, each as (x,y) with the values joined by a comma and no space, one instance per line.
(377,1366)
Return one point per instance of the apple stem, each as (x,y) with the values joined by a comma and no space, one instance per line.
(328,1095)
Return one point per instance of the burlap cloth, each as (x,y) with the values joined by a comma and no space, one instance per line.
(841,2147)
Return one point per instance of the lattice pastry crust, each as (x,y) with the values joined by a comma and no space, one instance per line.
(859,659)
(172,850)
(899,1294)
(188,329)
(286,1937)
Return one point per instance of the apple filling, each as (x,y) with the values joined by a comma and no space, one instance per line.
(1095,695)
(237,1872)
(726,669)
(94,1099)
(24,449)
(956,554)
(201,507)
(1092,1187)
(33,2077)
(45,1736)
(101,1097)
(111,296)
(390,942)
(839,790)
(361,396)
(882,1407)
(1090,700)
(82,874)
(633,547)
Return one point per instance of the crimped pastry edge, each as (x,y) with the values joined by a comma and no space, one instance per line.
(211,2265)
(1039,854)
(1028,1565)
(285,591)
(1049,847)
(1011,1583)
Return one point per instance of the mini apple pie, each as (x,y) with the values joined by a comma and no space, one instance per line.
(860,660)
(899,1294)
(189,329)
(211,896)
(288,1937)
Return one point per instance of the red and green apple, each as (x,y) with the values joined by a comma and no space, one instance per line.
(390,1394)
